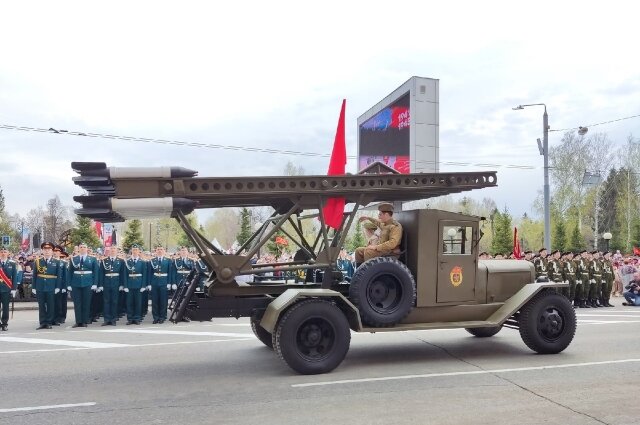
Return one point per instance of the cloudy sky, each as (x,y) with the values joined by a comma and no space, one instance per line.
(273,74)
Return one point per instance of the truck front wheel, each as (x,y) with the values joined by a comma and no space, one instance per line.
(547,323)
(312,336)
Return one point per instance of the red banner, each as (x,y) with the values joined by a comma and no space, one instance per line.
(636,250)
(334,208)
(516,244)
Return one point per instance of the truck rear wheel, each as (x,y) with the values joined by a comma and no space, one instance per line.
(484,332)
(384,291)
(547,323)
(312,337)
(260,333)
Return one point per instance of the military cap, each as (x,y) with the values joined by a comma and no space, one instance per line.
(82,244)
(554,251)
(64,254)
(57,248)
(385,207)
(4,248)
(135,245)
(528,252)
(567,253)
(541,249)
(46,245)
(595,251)
(584,251)
(369,225)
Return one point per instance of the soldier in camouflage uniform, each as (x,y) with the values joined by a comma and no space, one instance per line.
(540,264)
(582,279)
(555,269)
(607,280)
(569,275)
(595,278)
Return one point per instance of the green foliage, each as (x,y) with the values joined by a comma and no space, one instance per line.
(503,237)
(245,226)
(357,240)
(274,248)
(133,235)
(183,239)
(559,235)
(84,232)
(576,241)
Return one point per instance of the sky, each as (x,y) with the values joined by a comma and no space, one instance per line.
(272,75)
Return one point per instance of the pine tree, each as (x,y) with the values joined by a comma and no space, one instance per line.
(560,235)
(274,248)
(503,239)
(358,238)
(133,235)
(576,242)
(84,233)
(245,226)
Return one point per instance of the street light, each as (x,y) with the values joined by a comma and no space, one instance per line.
(545,152)
(451,233)
(607,237)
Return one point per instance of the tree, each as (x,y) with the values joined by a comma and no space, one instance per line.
(183,239)
(576,241)
(245,226)
(84,233)
(503,238)
(133,235)
(290,169)
(357,240)
(560,235)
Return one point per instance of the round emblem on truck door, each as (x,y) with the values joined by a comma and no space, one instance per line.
(456,276)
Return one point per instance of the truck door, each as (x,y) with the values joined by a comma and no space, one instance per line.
(456,262)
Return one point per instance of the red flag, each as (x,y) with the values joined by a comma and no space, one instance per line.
(636,250)
(334,208)
(98,228)
(516,244)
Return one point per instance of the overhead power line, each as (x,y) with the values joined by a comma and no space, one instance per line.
(599,123)
(52,130)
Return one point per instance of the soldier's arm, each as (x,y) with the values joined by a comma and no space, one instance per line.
(395,234)
(96,272)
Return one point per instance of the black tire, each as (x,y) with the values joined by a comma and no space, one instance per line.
(261,333)
(547,323)
(312,336)
(384,291)
(484,332)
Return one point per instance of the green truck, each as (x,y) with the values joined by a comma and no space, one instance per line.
(433,281)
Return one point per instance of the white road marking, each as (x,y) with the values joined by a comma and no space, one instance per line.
(628,316)
(610,322)
(470,372)
(129,346)
(83,344)
(163,332)
(54,406)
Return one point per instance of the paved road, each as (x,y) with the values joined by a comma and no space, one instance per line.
(218,373)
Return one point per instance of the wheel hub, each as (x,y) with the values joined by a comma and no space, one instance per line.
(384,294)
(551,323)
(315,339)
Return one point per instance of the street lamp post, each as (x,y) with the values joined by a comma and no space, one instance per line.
(607,237)
(545,153)
(451,233)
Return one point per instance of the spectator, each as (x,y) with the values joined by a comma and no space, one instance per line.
(633,292)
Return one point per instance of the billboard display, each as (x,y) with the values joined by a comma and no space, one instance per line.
(385,137)
(402,130)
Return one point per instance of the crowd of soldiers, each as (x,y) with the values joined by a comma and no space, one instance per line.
(590,275)
(110,286)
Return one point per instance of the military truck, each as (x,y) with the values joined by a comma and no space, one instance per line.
(433,281)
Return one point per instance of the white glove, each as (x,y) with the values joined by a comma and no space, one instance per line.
(143,289)
(121,288)
(100,289)
(148,287)
(64,291)
(94,288)
(168,286)
(69,288)
(13,293)
(33,291)
(56,291)
(174,286)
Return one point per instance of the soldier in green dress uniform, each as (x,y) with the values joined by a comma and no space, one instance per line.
(8,285)
(582,278)
(47,273)
(111,281)
(160,271)
(61,297)
(135,284)
(83,270)
(595,279)
(554,268)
